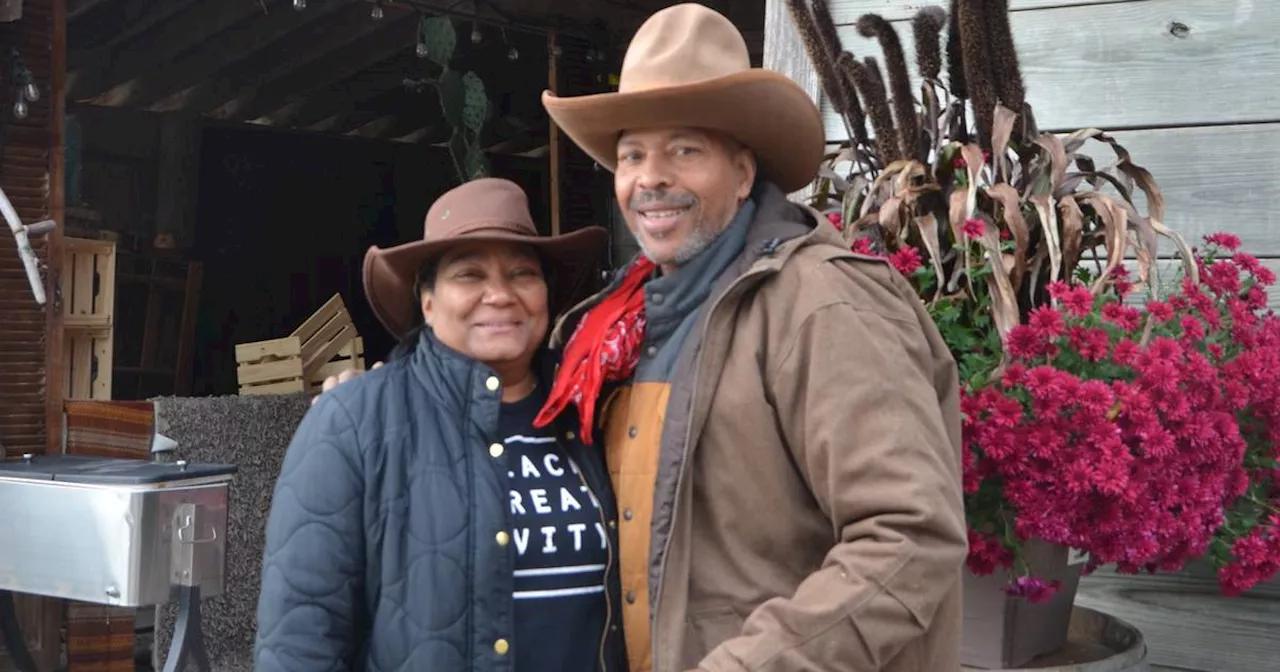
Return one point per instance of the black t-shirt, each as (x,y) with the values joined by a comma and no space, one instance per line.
(560,547)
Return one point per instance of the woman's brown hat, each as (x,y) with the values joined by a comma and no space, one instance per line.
(688,66)
(487,209)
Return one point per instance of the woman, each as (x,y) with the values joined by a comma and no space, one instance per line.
(420,520)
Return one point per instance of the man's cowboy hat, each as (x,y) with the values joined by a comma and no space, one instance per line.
(488,209)
(688,66)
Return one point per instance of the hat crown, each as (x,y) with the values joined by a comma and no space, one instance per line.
(486,204)
(682,44)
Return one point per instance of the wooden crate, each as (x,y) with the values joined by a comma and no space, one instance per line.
(349,358)
(325,344)
(87,355)
(270,367)
(324,334)
(88,283)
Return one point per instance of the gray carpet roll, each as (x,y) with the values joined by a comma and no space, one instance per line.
(253,433)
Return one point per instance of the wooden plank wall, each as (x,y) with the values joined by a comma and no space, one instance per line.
(31,337)
(1188,86)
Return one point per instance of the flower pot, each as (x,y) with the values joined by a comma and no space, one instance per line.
(1002,630)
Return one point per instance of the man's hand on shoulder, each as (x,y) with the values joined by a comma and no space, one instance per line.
(334,381)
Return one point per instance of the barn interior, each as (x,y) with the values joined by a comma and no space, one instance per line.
(243,155)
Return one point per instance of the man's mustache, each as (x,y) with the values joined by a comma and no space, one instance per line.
(663,199)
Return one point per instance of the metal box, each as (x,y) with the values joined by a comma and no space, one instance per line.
(112,531)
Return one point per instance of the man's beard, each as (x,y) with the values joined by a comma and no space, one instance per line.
(699,239)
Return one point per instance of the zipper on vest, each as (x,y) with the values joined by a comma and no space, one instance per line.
(684,464)
(608,566)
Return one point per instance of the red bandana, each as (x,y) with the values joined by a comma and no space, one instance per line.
(604,347)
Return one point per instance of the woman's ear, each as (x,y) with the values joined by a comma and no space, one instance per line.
(425,303)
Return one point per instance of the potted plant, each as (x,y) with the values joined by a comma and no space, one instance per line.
(1111,416)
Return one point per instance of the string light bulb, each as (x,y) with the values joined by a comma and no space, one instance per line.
(377,13)
(476,36)
(421,50)
(31,91)
(20,108)
(299,5)
(513,54)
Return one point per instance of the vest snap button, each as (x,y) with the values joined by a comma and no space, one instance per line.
(492,383)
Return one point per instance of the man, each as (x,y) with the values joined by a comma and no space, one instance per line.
(771,403)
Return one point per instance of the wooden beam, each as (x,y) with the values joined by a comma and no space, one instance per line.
(97,40)
(340,98)
(554,140)
(162,76)
(396,35)
(159,47)
(391,102)
(784,53)
(75,8)
(374,129)
(277,60)
(415,136)
(404,125)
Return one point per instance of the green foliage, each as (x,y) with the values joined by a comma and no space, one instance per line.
(463,100)
(438,35)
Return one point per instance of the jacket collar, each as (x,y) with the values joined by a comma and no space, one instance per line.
(778,228)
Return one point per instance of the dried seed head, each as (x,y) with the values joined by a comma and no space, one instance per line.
(955,54)
(869,84)
(820,54)
(849,106)
(1004,55)
(826,26)
(977,67)
(903,103)
(925,28)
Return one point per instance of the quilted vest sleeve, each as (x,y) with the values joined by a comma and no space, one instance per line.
(313,565)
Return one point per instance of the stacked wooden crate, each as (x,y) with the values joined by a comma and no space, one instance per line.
(326,344)
(88,300)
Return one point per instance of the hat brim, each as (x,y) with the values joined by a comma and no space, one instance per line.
(389,273)
(762,109)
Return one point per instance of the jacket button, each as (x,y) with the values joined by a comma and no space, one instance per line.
(492,383)
(613,523)
(501,647)
(631,597)
(569,436)
(627,515)
(652,351)
(503,538)
(495,450)
(632,432)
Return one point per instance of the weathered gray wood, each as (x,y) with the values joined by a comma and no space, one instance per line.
(1213,179)
(848,11)
(1169,279)
(1134,64)
(784,53)
(1188,624)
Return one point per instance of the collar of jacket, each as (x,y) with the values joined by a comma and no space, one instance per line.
(438,364)
(777,230)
